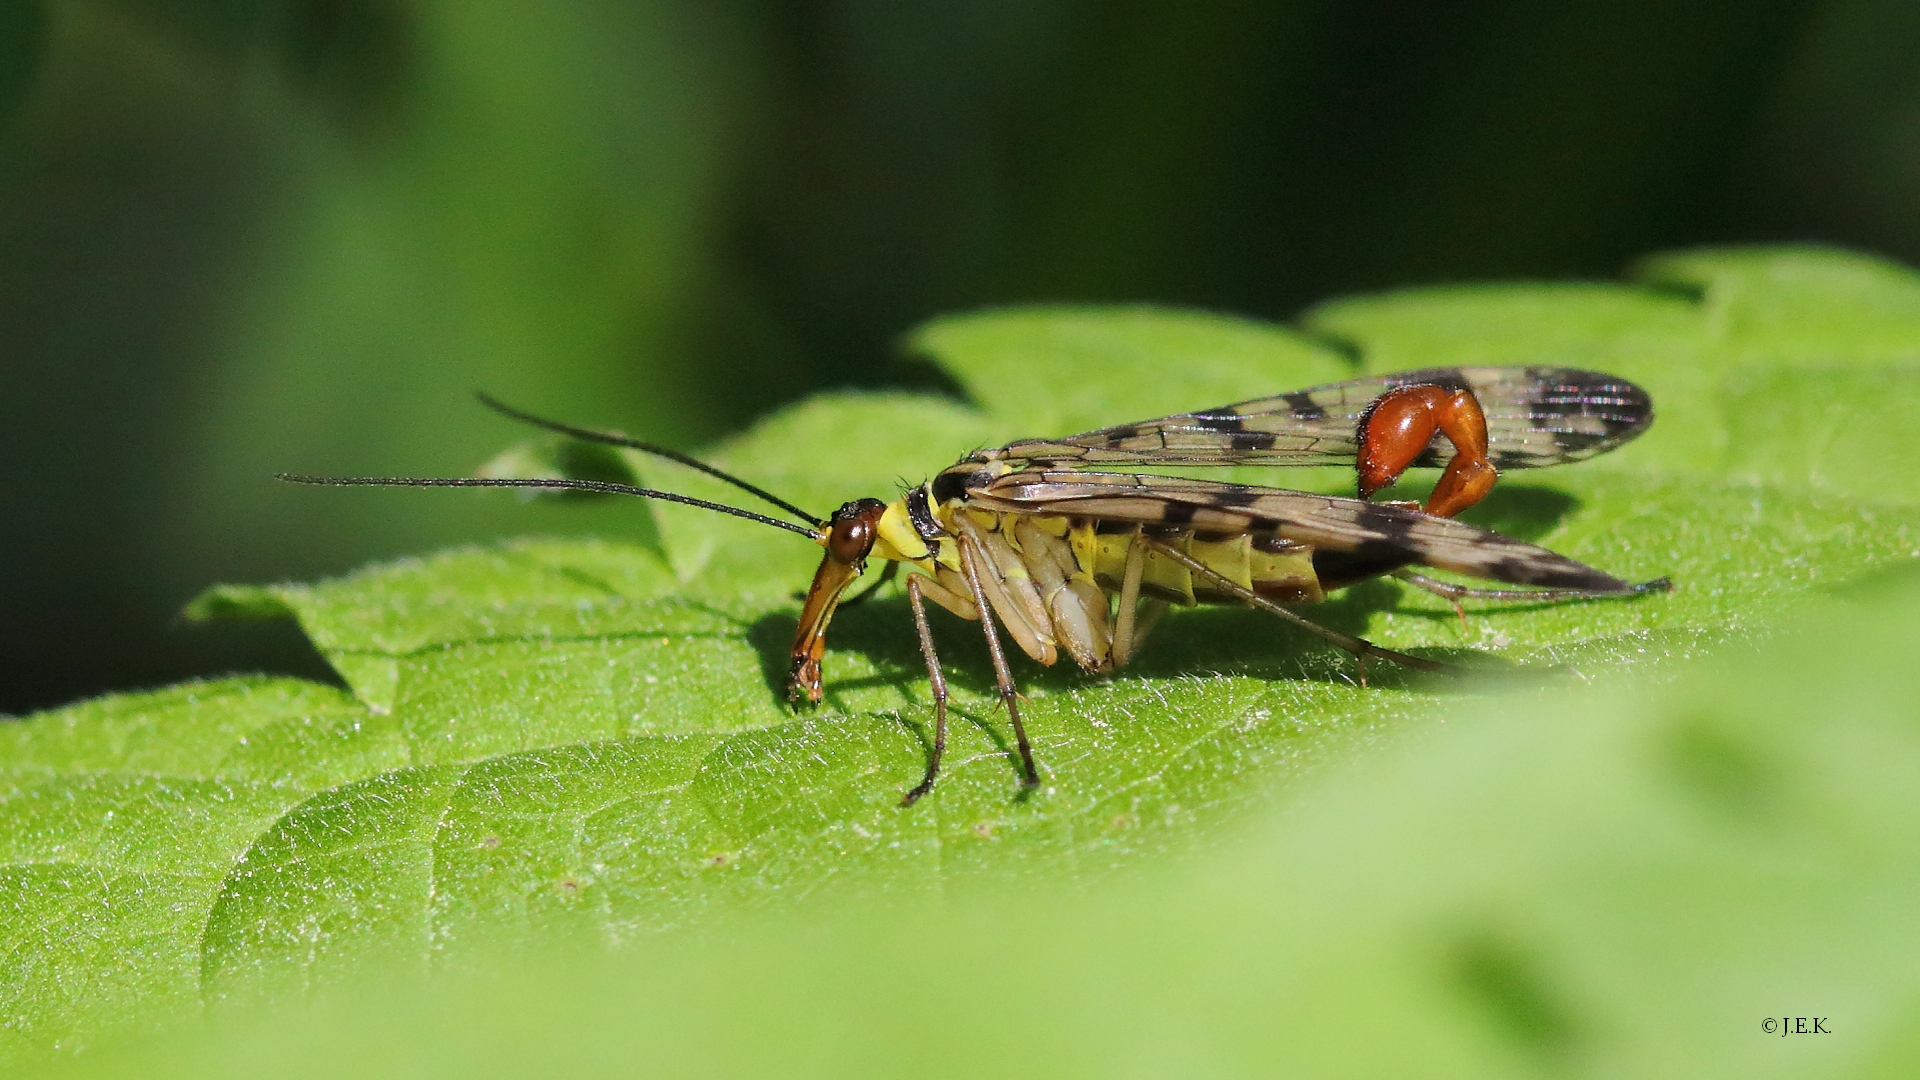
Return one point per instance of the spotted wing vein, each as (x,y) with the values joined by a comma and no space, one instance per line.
(1536,416)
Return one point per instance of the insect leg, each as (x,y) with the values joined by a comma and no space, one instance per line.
(1150,611)
(1447,590)
(886,575)
(937,681)
(1129,599)
(995,566)
(1361,648)
(1076,608)
(950,594)
(1002,675)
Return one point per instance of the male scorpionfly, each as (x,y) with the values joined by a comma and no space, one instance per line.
(1073,560)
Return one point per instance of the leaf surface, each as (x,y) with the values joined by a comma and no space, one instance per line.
(587,740)
(1640,883)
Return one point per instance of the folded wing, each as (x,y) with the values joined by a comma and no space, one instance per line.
(1536,416)
(1380,534)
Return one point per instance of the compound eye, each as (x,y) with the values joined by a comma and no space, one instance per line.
(851,539)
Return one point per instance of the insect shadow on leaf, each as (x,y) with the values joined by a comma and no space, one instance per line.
(1203,639)
(1523,512)
(872,631)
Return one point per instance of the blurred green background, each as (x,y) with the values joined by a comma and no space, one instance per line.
(244,236)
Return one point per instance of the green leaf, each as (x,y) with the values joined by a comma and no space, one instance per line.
(1620,885)
(119,820)
(550,740)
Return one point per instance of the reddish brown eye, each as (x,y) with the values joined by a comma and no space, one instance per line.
(853,529)
(851,540)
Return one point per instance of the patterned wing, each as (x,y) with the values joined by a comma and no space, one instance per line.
(1536,416)
(1375,534)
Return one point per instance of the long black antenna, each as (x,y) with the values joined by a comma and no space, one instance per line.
(589,435)
(601,486)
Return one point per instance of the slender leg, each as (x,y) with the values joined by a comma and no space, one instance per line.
(1150,611)
(1449,591)
(937,681)
(1128,607)
(1453,594)
(886,575)
(1002,675)
(946,597)
(1361,648)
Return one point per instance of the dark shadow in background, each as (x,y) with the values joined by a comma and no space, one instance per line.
(131,199)
(1251,156)
(908,160)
